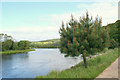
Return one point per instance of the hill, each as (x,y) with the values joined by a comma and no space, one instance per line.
(50,40)
(54,43)
(51,43)
(114,30)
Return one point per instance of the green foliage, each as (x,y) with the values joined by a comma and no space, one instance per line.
(106,49)
(23,45)
(98,60)
(113,44)
(7,43)
(114,30)
(0,46)
(85,35)
(15,51)
(4,37)
(15,46)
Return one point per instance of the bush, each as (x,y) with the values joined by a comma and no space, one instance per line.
(106,49)
(113,44)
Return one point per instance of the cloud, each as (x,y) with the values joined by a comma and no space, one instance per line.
(33,33)
(107,10)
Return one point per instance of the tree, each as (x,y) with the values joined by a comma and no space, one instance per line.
(114,34)
(23,45)
(27,44)
(4,37)
(84,37)
(7,45)
(0,46)
(15,46)
(6,42)
(1,42)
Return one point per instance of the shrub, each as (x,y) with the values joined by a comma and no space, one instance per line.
(113,44)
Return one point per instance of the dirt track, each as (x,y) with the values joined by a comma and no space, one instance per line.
(113,71)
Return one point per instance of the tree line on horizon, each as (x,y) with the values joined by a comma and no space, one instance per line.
(7,43)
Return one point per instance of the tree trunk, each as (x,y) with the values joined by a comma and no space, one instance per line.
(84,59)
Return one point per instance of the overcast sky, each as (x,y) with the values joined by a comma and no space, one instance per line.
(36,21)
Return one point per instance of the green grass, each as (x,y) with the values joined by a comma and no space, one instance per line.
(95,67)
(16,51)
(49,40)
(53,43)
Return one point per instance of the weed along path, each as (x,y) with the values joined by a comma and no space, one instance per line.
(111,71)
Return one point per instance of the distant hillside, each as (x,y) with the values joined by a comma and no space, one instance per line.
(54,43)
(51,43)
(113,30)
(116,24)
(50,40)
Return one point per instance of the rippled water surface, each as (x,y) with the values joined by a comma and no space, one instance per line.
(34,63)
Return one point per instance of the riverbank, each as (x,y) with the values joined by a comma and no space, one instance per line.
(15,51)
(96,66)
(111,71)
(45,46)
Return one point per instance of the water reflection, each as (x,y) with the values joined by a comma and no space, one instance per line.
(38,62)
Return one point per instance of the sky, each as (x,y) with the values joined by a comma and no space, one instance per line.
(35,21)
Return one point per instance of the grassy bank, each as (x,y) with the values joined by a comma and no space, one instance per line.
(16,51)
(96,66)
(46,47)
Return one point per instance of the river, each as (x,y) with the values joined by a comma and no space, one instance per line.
(36,63)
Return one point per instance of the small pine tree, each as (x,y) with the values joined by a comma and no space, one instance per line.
(83,37)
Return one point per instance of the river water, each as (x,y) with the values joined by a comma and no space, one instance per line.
(36,63)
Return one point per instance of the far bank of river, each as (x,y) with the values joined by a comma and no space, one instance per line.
(15,51)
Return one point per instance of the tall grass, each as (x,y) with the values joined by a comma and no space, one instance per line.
(15,51)
(96,66)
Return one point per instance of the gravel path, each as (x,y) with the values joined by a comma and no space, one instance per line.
(113,71)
